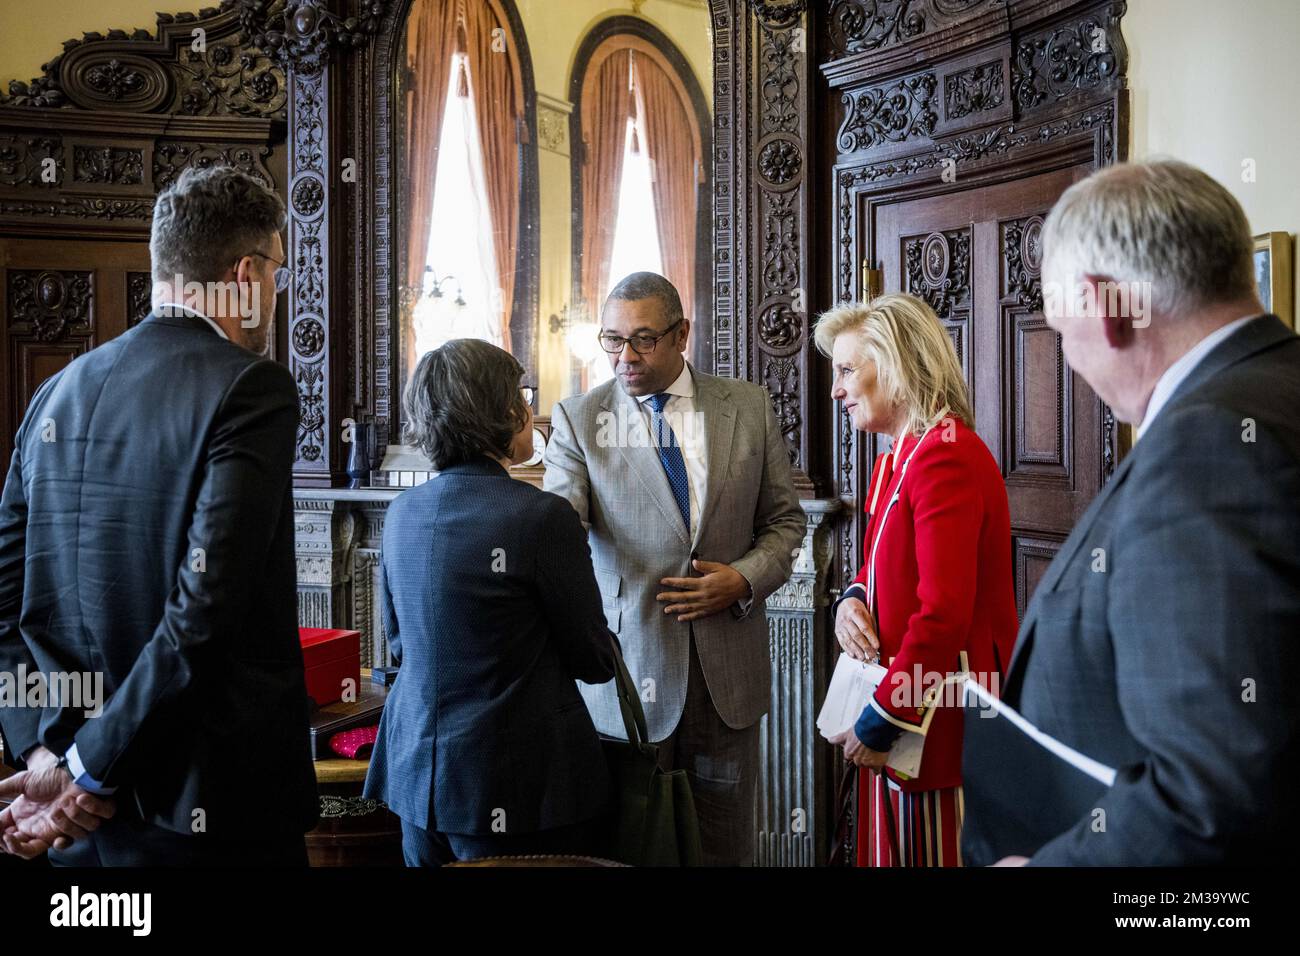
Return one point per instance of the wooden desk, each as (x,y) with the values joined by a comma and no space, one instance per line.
(353,831)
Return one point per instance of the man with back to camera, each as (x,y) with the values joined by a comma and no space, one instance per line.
(1161,641)
(683,481)
(147,534)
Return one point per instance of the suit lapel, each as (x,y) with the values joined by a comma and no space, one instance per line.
(642,459)
(719,418)
(1253,337)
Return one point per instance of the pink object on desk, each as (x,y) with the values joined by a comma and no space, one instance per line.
(351,743)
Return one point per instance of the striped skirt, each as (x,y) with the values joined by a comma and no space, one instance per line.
(926,825)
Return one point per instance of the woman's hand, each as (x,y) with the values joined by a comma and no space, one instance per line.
(855,751)
(856,631)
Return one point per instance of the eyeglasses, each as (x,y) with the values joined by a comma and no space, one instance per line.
(642,343)
(529,394)
(282,274)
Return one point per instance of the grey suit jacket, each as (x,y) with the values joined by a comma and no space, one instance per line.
(1164,640)
(750,518)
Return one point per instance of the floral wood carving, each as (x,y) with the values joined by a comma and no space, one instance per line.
(889,113)
(49,303)
(194,64)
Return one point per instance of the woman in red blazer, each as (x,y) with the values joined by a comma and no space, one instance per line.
(934,595)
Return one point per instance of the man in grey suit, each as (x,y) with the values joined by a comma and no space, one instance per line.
(683,482)
(1162,640)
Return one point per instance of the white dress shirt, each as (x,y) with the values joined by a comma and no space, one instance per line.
(689,429)
(679,413)
(174,306)
(1176,373)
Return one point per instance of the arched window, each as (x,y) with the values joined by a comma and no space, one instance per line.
(638,175)
(461,175)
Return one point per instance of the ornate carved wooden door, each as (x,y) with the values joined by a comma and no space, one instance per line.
(61,299)
(975,257)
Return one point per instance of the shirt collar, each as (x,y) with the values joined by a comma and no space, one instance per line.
(684,386)
(1176,373)
(174,307)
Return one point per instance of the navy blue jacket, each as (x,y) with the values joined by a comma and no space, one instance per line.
(146,534)
(491,606)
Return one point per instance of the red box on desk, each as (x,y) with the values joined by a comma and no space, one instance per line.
(330,657)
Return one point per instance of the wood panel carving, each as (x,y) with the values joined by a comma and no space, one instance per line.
(139,291)
(1037,96)
(762,242)
(938,270)
(196,64)
(1083,55)
(49,305)
(976,90)
(857,26)
(889,114)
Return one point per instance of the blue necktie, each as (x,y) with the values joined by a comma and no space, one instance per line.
(670,455)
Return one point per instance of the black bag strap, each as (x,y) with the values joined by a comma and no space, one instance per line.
(629,703)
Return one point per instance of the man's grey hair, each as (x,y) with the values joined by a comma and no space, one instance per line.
(207,220)
(647,285)
(1163,223)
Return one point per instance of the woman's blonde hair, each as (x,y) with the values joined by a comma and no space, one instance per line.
(914,357)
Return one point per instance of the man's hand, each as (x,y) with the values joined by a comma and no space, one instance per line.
(40,758)
(855,751)
(50,811)
(856,631)
(720,587)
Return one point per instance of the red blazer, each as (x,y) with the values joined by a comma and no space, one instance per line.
(943,584)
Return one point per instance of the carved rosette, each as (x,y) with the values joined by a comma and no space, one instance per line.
(780,161)
(938,270)
(1022,262)
(50,304)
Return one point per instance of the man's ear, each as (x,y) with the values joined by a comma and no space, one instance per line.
(243,270)
(1108,309)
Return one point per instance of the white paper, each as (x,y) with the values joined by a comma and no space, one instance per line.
(852,685)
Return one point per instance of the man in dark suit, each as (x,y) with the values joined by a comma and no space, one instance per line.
(1162,640)
(146,539)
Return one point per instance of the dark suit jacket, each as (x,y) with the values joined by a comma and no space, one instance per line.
(490,602)
(1164,640)
(149,497)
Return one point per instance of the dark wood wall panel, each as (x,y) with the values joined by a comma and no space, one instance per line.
(1031,556)
(84,150)
(61,299)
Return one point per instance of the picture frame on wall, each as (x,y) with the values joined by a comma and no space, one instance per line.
(1274,274)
